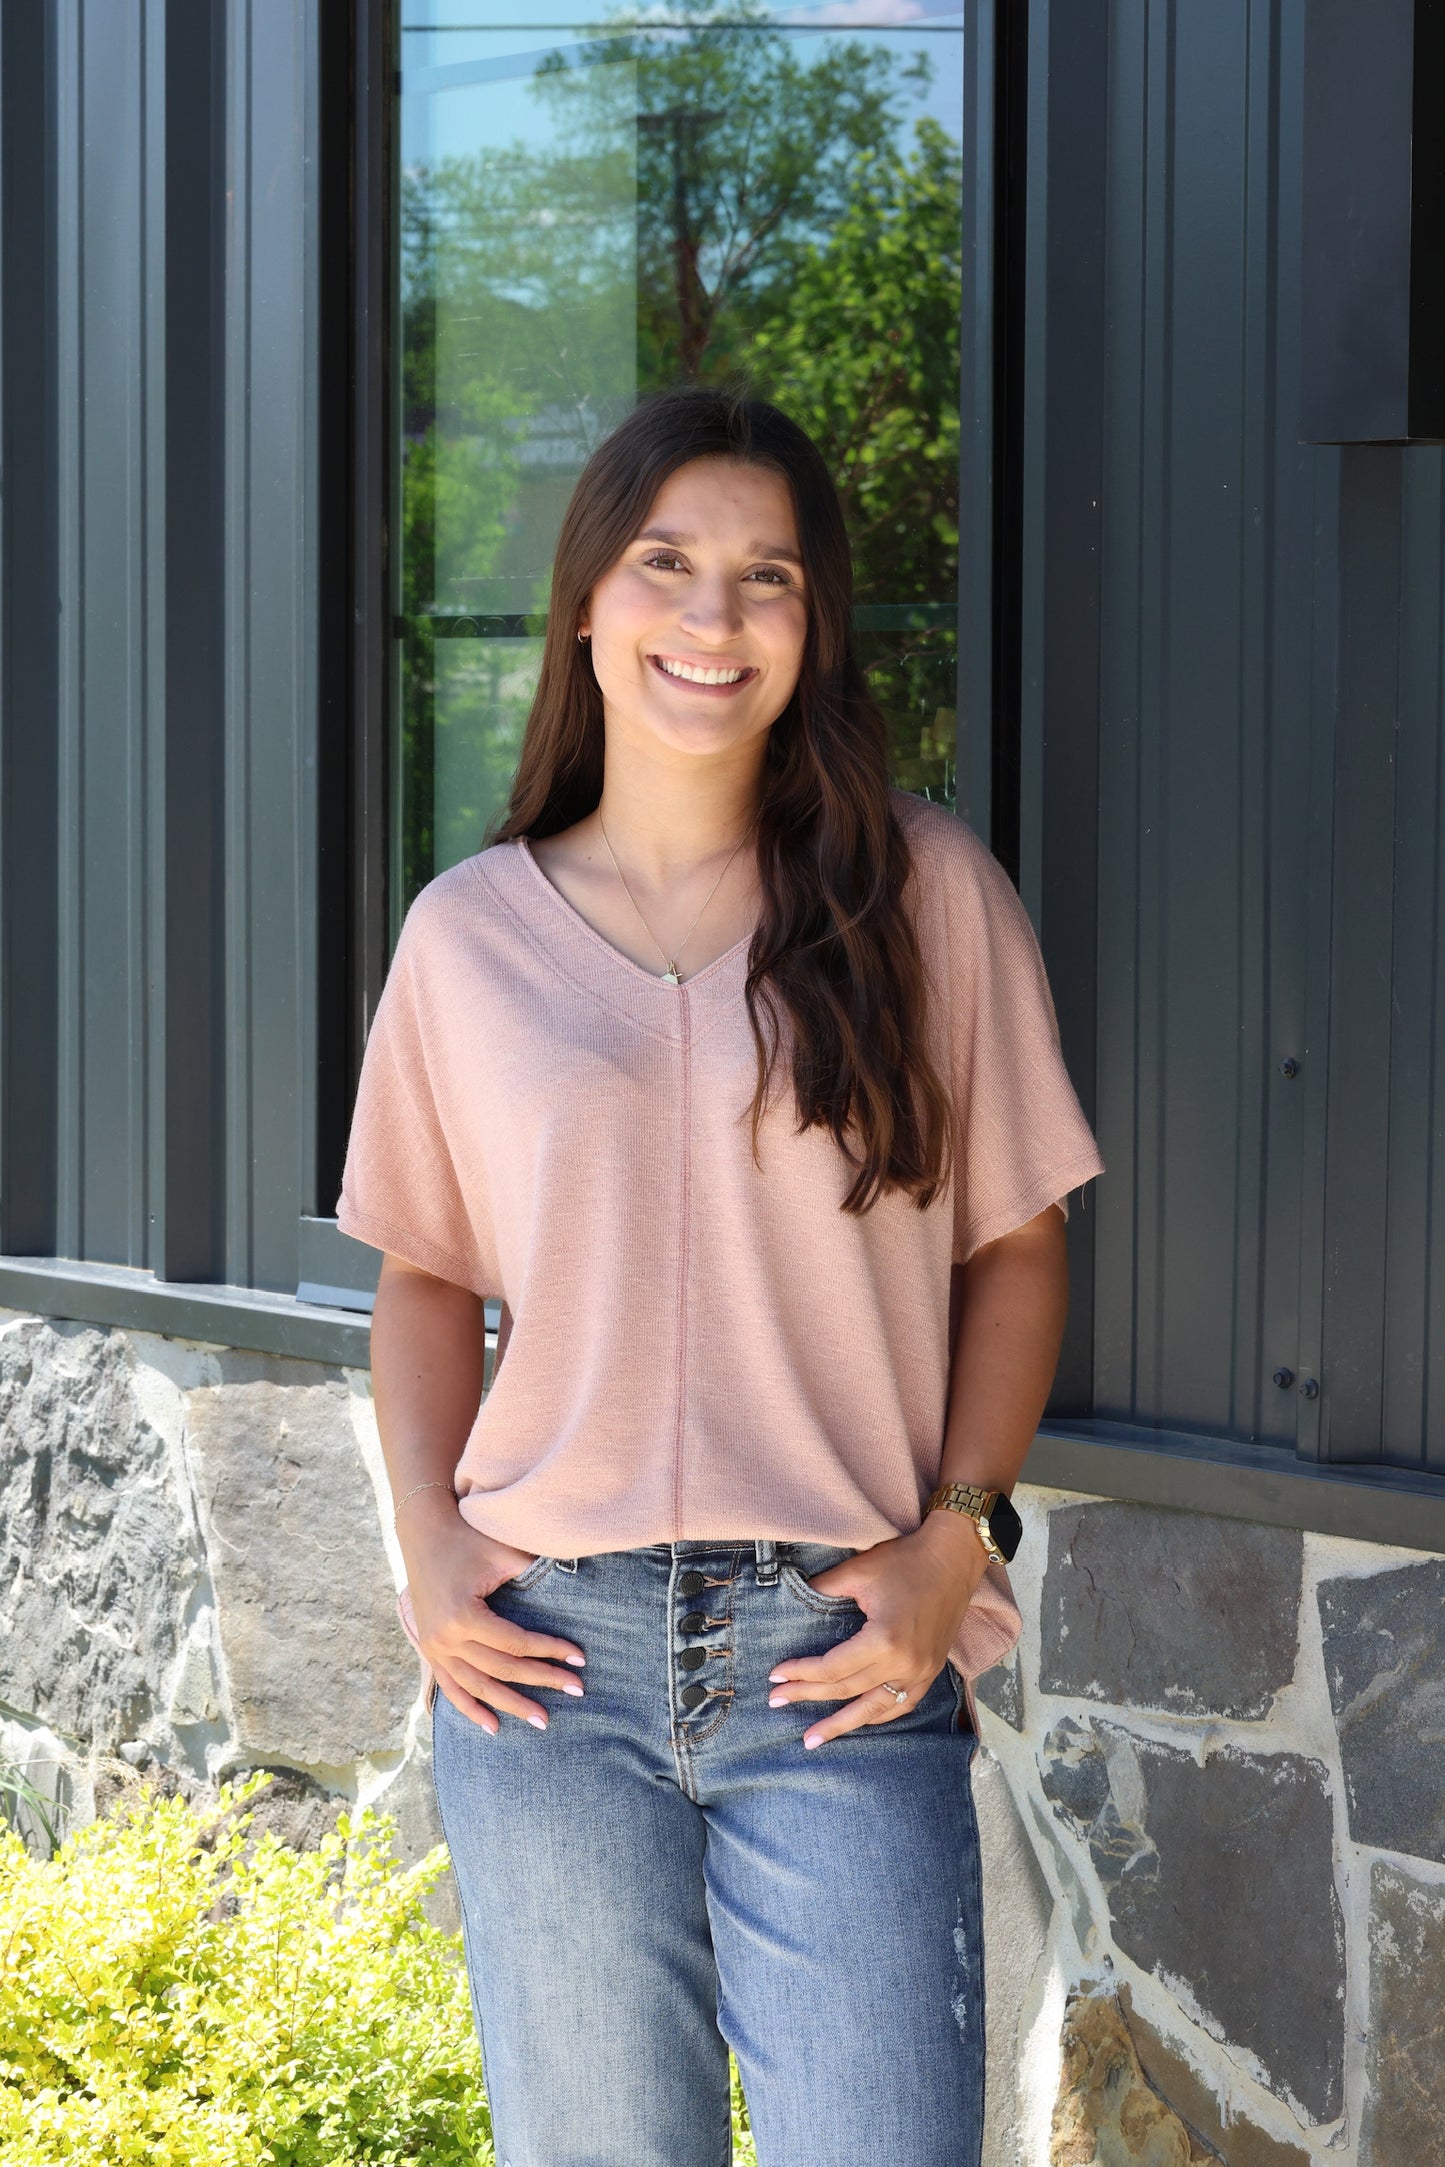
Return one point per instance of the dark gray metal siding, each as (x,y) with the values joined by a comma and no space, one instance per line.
(1243,635)
(1382,1297)
(158,753)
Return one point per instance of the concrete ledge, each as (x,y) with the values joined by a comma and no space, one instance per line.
(251,1317)
(1263,1483)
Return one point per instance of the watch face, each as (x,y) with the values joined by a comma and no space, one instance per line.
(1005,1526)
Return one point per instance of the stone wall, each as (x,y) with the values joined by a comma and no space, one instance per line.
(197,1578)
(1222,1740)
(1213,1823)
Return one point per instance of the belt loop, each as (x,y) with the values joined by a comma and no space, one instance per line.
(766,1554)
(565,1565)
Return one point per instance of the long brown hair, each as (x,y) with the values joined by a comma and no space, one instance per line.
(835,954)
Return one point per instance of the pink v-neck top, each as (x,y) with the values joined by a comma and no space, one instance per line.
(699,1345)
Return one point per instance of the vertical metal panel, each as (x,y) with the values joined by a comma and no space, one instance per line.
(1062,491)
(1374,231)
(1382,1290)
(69,717)
(28,616)
(1412,1415)
(1208,712)
(1361,949)
(134,794)
(270,632)
(1423,1172)
(105,664)
(1295,573)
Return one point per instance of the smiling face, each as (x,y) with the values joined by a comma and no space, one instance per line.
(697,630)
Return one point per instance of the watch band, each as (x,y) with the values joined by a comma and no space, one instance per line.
(976,1503)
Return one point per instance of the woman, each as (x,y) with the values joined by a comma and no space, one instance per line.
(735,1074)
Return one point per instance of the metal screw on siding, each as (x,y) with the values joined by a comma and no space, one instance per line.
(1284,1378)
(1309,1388)
(1289,1066)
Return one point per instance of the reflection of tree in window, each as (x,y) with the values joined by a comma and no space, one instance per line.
(789,232)
(712,202)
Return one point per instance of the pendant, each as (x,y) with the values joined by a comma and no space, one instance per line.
(670,977)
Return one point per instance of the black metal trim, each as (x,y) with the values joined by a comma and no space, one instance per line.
(355,630)
(188,1234)
(373,253)
(29,631)
(1010,267)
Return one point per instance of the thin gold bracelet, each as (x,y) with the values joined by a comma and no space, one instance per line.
(412,1493)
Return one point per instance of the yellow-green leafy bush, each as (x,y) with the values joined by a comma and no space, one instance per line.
(165,1997)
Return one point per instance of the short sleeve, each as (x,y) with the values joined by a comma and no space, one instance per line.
(403,1187)
(1020,1137)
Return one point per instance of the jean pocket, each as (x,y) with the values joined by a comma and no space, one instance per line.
(528,1576)
(796,1568)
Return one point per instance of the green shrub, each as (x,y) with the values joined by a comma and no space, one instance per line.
(166,1998)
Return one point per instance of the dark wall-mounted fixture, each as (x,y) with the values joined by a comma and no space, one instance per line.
(1373,287)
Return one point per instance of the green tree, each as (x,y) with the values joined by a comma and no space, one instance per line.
(746,146)
(714,201)
(865,356)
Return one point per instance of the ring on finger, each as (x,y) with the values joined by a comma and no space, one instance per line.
(899,1692)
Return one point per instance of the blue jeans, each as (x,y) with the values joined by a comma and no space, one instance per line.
(666,1871)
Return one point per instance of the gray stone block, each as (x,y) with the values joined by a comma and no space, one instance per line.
(1002,1690)
(1178,1611)
(1405,2042)
(96,1554)
(1384,1638)
(1017,1910)
(1222,1877)
(319,1669)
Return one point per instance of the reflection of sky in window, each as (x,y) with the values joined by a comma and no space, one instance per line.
(446,35)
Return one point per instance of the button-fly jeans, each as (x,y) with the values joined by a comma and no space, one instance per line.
(666,1871)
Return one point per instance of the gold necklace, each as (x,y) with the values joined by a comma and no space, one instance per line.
(670,976)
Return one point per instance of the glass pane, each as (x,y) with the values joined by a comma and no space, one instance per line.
(595,206)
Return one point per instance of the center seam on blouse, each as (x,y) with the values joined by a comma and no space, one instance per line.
(684,1213)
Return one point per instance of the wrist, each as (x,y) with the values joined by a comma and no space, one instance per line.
(424,1512)
(953,1540)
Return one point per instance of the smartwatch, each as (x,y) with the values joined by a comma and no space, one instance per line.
(999,1526)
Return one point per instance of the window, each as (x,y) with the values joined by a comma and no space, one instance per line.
(592,206)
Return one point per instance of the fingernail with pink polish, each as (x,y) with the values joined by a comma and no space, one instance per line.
(538,1722)
(570,1685)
